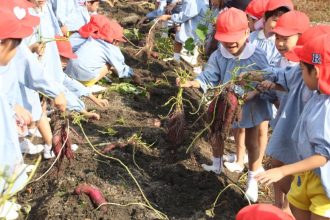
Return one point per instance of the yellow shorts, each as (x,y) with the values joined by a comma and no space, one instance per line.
(307,193)
(90,82)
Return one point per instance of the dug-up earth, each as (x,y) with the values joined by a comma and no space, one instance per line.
(172,181)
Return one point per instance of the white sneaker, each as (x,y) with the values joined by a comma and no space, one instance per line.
(74,147)
(9,210)
(234,167)
(34,132)
(49,154)
(96,88)
(29,148)
(211,168)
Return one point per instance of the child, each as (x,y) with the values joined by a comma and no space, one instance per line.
(232,32)
(14,25)
(309,196)
(280,144)
(191,15)
(265,40)
(65,51)
(97,53)
(255,11)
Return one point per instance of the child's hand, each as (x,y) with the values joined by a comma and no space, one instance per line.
(92,115)
(38,48)
(60,102)
(103,103)
(270,176)
(164,17)
(187,84)
(23,118)
(64,30)
(250,95)
(169,8)
(267,85)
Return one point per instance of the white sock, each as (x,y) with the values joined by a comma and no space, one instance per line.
(217,161)
(48,147)
(176,56)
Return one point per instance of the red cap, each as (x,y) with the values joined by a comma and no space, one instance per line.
(64,47)
(275,4)
(291,23)
(309,34)
(100,27)
(262,212)
(317,52)
(16,21)
(231,25)
(256,8)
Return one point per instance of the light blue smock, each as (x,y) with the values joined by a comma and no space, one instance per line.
(218,71)
(191,15)
(50,60)
(280,145)
(93,55)
(161,9)
(311,135)
(70,13)
(267,44)
(11,159)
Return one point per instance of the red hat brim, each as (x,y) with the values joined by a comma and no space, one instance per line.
(69,55)
(285,31)
(292,56)
(230,37)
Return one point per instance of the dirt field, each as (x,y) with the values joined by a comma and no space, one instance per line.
(172,181)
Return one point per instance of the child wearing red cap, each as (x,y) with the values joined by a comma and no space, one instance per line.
(265,40)
(65,51)
(98,39)
(15,24)
(309,196)
(255,11)
(235,51)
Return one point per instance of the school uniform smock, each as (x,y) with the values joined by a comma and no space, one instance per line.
(50,61)
(9,86)
(218,71)
(267,44)
(161,9)
(192,14)
(280,143)
(11,159)
(311,135)
(93,55)
(32,78)
(70,13)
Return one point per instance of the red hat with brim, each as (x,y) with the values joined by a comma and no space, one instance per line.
(291,23)
(100,27)
(262,212)
(16,21)
(317,52)
(64,47)
(275,4)
(256,8)
(231,25)
(309,34)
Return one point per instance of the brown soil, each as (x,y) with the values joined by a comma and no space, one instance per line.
(172,180)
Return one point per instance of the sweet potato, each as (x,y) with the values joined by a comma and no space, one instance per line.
(222,112)
(112,146)
(176,126)
(93,193)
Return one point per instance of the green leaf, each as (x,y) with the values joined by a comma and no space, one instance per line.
(201,35)
(189,44)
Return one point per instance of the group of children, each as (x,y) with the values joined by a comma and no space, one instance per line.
(270,46)
(274,46)
(37,60)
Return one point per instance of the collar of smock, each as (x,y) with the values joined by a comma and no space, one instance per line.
(284,62)
(247,52)
(262,36)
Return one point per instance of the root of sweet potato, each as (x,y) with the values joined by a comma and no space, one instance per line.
(93,193)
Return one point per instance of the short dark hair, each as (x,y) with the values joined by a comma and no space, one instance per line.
(277,12)
(310,67)
(13,42)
